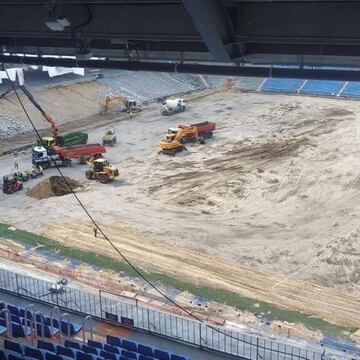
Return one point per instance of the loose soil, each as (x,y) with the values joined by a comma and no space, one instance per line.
(54,186)
(269,208)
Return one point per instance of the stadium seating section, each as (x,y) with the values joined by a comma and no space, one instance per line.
(22,328)
(115,348)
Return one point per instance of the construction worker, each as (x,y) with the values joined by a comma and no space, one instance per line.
(95,230)
(16,164)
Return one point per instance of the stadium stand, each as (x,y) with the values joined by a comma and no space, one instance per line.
(121,349)
(282,85)
(322,87)
(352,90)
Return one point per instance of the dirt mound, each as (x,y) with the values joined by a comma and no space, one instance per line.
(53,186)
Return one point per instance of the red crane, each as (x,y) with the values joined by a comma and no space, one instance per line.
(47,117)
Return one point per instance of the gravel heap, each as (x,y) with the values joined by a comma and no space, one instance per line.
(10,127)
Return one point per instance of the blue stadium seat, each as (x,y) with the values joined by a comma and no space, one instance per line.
(95,344)
(108,355)
(39,317)
(143,357)
(22,313)
(28,358)
(48,346)
(48,322)
(68,352)
(34,353)
(13,309)
(74,328)
(20,331)
(82,356)
(13,346)
(48,333)
(14,357)
(16,319)
(322,87)
(111,349)
(89,350)
(282,85)
(129,345)
(128,354)
(2,330)
(51,356)
(5,354)
(161,354)
(114,340)
(2,305)
(72,344)
(177,357)
(145,350)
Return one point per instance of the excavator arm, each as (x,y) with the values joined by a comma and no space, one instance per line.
(47,117)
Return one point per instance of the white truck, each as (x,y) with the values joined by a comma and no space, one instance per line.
(173,106)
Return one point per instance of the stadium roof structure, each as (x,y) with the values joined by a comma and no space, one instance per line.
(223,34)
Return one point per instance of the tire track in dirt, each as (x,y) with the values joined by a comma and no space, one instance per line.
(194,267)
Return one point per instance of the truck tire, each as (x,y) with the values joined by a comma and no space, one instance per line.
(66,163)
(103,178)
(89,174)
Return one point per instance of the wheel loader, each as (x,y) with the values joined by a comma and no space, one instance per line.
(101,170)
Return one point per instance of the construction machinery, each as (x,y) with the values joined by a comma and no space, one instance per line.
(184,133)
(62,156)
(101,170)
(130,106)
(205,129)
(174,142)
(75,138)
(173,106)
(21,176)
(110,137)
(11,184)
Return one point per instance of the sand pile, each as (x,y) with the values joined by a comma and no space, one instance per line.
(53,186)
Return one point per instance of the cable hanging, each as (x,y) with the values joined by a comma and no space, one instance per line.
(127,261)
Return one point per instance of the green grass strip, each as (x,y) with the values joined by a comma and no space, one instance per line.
(215,294)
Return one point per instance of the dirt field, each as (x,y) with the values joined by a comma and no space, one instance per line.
(273,195)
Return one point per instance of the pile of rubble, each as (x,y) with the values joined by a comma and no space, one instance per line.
(10,127)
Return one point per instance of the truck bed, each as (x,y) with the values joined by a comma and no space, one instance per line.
(74,152)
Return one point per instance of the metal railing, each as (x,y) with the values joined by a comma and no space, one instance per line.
(130,313)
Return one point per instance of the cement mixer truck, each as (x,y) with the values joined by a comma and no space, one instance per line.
(173,106)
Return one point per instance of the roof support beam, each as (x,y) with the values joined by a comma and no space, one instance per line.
(191,68)
(213,23)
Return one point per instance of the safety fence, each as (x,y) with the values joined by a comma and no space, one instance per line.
(128,312)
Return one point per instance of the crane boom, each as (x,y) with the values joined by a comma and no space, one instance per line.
(47,117)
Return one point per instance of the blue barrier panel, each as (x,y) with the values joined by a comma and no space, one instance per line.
(352,89)
(282,85)
(322,87)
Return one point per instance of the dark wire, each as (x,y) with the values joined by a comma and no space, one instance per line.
(105,236)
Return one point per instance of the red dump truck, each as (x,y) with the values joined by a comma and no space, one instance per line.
(62,156)
(204,129)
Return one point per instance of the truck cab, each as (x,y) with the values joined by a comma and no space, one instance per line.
(39,155)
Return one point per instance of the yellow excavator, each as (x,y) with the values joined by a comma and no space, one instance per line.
(101,170)
(130,106)
(174,141)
